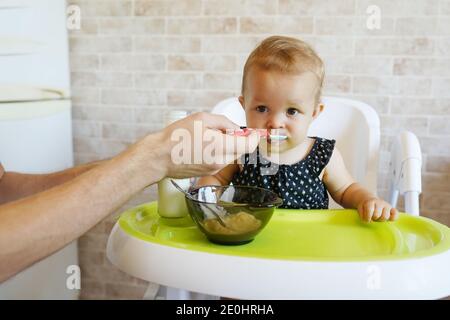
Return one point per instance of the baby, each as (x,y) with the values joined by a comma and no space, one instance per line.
(281,91)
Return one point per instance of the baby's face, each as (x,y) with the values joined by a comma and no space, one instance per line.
(282,103)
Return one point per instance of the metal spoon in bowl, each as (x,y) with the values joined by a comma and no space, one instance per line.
(221,221)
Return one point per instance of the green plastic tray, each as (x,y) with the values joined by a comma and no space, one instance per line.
(314,235)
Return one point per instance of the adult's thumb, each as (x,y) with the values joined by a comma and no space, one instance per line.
(246,144)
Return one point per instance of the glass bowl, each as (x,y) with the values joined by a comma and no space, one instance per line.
(231,215)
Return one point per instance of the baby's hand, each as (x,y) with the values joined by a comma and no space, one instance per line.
(376,210)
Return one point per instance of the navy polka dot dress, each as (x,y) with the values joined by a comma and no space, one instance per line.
(298,184)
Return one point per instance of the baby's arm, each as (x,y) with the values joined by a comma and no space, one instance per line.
(222,178)
(350,194)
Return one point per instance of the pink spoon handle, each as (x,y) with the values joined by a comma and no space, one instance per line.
(246,131)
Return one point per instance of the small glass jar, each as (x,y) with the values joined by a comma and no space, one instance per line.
(171,202)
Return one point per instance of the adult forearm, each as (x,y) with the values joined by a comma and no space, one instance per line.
(36,226)
(15,185)
(53,179)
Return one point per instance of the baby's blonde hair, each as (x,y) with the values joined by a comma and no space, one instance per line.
(287,55)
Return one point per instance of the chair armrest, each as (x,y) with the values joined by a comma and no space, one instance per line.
(405,171)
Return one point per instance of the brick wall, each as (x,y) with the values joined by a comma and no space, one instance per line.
(133,59)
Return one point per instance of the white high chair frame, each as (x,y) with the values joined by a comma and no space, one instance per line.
(356,127)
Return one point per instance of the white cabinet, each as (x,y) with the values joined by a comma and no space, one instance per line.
(35,121)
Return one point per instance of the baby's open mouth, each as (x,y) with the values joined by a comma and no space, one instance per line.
(276,136)
(276,140)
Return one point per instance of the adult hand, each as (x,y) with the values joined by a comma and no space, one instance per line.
(199,145)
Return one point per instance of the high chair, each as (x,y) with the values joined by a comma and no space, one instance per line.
(326,254)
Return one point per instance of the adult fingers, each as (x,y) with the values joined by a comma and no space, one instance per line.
(238,145)
(216,121)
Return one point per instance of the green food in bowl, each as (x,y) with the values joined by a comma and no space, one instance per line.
(231,215)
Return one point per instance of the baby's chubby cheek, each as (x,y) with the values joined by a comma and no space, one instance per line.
(298,135)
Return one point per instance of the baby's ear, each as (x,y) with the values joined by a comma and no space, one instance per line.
(241,100)
(318,110)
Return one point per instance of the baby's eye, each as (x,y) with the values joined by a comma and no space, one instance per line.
(292,112)
(261,109)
